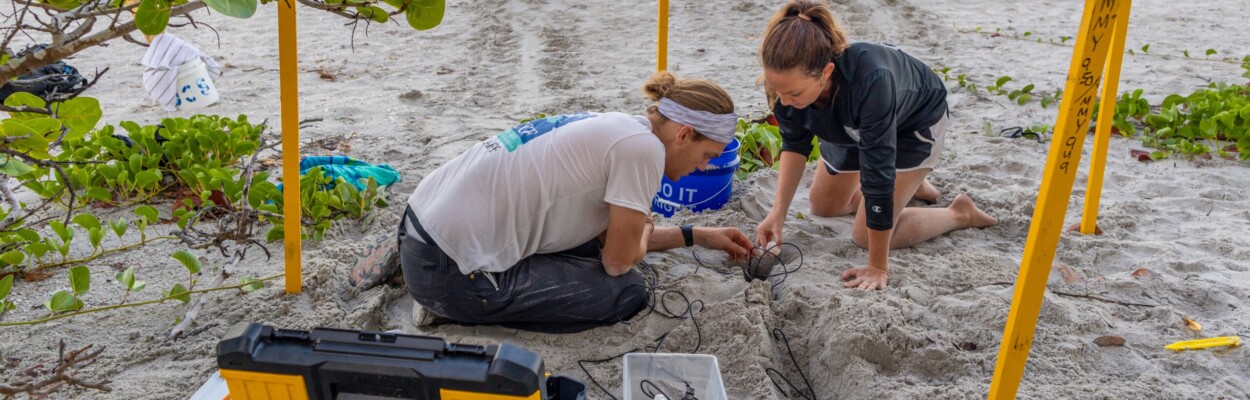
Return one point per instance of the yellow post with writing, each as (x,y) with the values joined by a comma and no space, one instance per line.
(1088,60)
(288,64)
(1106,110)
(661,48)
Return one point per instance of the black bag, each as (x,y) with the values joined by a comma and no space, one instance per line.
(51,82)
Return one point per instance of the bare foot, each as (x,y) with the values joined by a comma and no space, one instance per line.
(927,192)
(974,216)
(377,264)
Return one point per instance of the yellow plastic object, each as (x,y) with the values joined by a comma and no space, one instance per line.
(245,385)
(1097,33)
(446,394)
(1205,343)
(288,63)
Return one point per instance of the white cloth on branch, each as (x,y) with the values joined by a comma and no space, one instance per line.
(160,68)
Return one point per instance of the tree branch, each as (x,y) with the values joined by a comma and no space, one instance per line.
(130,38)
(335,9)
(19,15)
(15,207)
(53,165)
(27,63)
(96,10)
(25,109)
(79,32)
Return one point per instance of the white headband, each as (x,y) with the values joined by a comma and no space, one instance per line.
(718,127)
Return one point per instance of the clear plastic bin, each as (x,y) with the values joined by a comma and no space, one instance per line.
(672,375)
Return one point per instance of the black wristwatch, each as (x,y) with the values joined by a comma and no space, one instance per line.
(687,232)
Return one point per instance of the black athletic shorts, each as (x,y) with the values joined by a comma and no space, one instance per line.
(921,149)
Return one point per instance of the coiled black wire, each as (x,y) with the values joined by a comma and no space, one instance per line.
(659,304)
(753,263)
(779,335)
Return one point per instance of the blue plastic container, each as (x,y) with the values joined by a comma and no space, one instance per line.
(701,190)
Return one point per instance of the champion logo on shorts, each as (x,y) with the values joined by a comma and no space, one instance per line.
(852,132)
(876,209)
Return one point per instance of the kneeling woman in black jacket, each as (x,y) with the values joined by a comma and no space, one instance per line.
(881,117)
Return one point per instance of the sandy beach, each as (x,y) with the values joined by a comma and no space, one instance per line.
(414,100)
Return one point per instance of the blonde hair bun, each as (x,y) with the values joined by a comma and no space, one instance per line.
(659,85)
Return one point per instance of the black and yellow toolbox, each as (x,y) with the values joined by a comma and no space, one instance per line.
(260,362)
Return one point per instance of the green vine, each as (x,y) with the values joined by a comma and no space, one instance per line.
(1214,121)
(179,295)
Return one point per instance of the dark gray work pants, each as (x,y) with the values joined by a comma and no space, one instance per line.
(560,292)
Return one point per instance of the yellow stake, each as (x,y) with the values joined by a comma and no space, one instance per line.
(661,51)
(288,64)
(1102,139)
(1205,343)
(1088,59)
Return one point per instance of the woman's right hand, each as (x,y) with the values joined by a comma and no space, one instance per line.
(769,231)
(791,169)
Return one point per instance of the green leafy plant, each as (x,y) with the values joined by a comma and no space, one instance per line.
(127,279)
(69,303)
(1021,96)
(6,285)
(1212,120)
(1129,106)
(201,152)
(198,152)
(323,200)
(106,170)
(760,145)
(1218,116)
(997,87)
(63,300)
(998,33)
(37,252)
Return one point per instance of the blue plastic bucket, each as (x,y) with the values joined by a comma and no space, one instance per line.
(708,189)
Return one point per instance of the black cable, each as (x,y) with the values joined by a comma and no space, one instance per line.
(655,390)
(657,304)
(690,311)
(778,334)
(651,393)
(753,263)
(582,365)
(785,273)
(652,286)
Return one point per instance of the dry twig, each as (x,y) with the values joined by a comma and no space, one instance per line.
(1103,299)
(39,380)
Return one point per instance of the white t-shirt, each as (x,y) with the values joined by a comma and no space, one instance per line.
(540,187)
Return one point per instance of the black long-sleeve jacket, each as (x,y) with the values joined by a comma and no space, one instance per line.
(880,91)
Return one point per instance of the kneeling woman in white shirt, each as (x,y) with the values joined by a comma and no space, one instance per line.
(539,227)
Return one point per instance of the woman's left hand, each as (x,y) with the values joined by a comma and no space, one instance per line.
(730,240)
(866,278)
